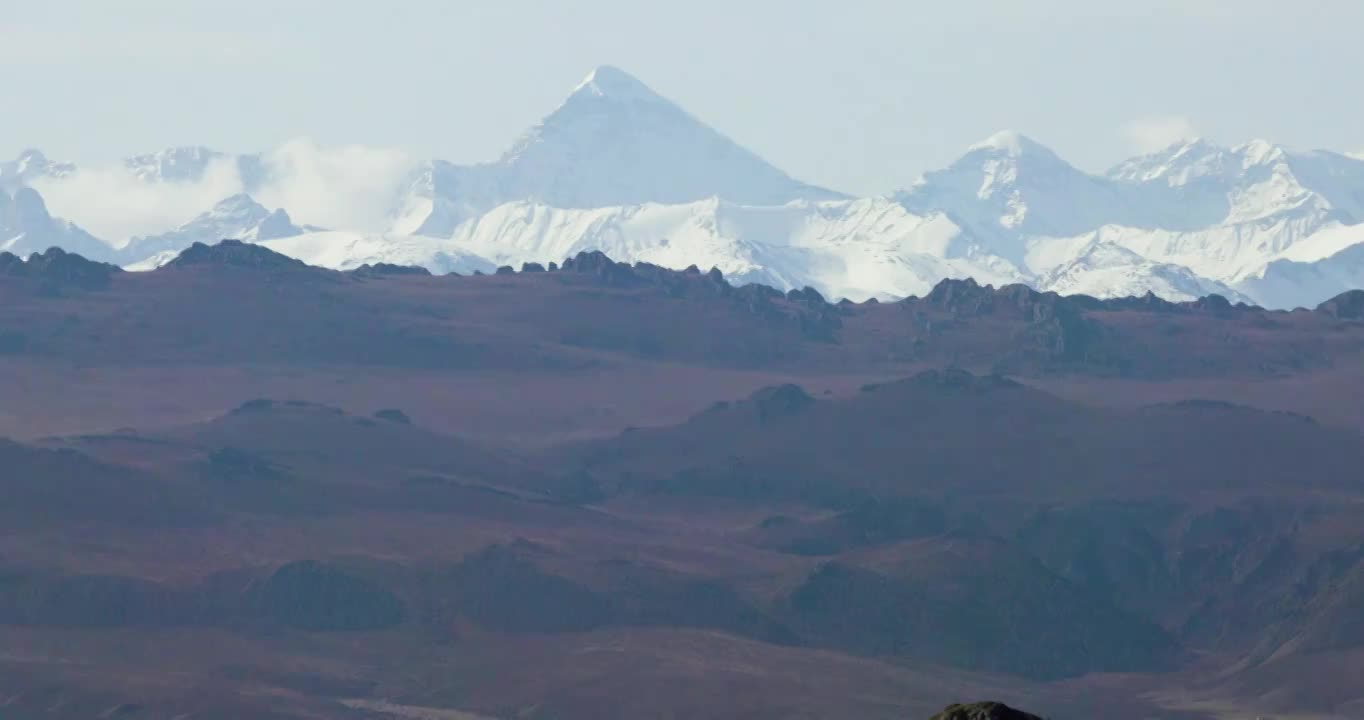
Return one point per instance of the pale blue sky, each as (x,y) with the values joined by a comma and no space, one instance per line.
(860,95)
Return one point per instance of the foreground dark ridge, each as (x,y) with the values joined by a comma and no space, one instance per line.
(57,265)
(240,302)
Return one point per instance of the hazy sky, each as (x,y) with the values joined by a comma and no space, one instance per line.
(859,95)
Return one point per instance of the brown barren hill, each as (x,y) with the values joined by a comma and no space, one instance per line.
(246,487)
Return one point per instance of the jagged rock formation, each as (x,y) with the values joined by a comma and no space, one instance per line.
(388,269)
(57,270)
(983,711)
(238,254)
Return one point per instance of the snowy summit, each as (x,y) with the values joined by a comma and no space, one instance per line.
(621,168)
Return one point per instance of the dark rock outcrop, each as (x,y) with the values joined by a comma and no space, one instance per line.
(814,317)
(1053,326)
(57,269)
(983,711)
(597,264)
(1149,302)
(807,296)
(779,401)
(235,253)
(1345,306)
(967,298)
(959,295)
(1212,303)
(388,269)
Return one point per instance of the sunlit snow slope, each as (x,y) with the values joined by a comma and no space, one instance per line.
(619,168)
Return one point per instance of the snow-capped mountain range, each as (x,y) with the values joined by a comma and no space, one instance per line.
(618,168)
(238,217)
(26,227)
(189,164)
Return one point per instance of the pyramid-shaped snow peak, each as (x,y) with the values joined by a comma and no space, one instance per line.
(1012,142)
(615,142)
(612,82)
